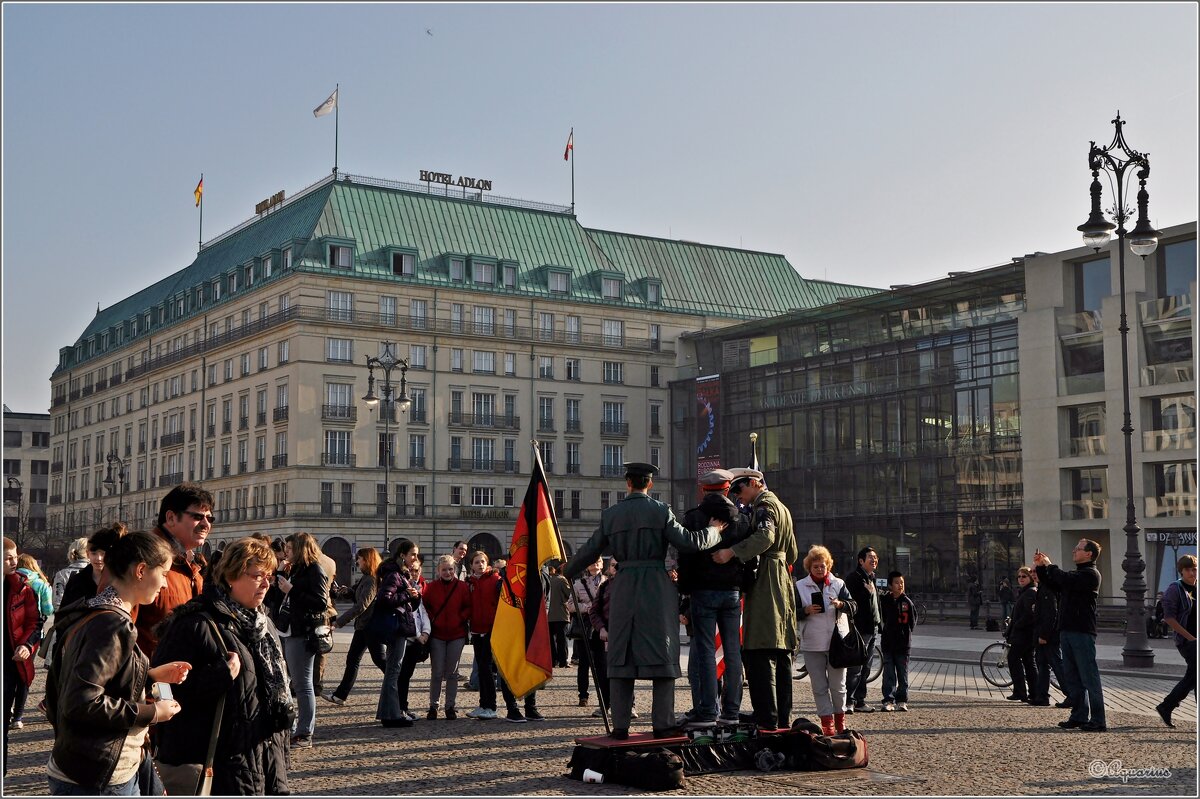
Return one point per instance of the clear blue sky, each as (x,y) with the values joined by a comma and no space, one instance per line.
(872,144)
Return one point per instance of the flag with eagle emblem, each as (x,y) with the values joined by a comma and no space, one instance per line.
(521,633)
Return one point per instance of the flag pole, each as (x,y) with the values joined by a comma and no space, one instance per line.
(537,458)
(200,244)
(573,176)
(337,110)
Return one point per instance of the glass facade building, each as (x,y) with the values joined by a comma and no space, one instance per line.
(891,421)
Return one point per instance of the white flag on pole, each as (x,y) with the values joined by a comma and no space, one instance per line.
(327,106)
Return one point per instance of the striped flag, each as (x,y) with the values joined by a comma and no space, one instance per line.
(327,106)
(521,632)
(199,192)
(570,145)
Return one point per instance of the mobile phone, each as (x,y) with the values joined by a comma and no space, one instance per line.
(161,691)
(818,599)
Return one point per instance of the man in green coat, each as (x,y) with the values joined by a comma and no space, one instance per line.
(643,627)
(769,615)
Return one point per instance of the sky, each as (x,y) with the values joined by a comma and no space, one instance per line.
(872,144)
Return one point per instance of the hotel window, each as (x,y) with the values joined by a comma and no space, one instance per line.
(614,372)
(337,447)
(416,450)
(417,356)
(484,362)
(287,258)
(417,313)
(483,497)
(485,320)
(510,277)
(339,349)
(573,415)
(572,457)
(654,378)
(455,495)
(339,256)
(216,291)
(655,337)
(483,453)
(546,367)
(248,276)
(245,364)
(456,360)
(283,352)
(387,310)
(614,332)
(546,449)
(510,497)
(233,283)
(546,326)
(484,274)
(510,363)
(404,263)
(510,322)
(228,369)
(573,328)
(614,456)
(285,302)
(574,369)
(560,283)
(653,293)
(604,500)
(456,317)
(655,455)
(281,396)
(546,413)
(456,269)
(266,266)
(341,306)
(611,288)
(416,411)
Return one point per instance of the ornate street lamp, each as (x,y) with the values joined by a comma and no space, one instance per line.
(110,484)
(15,488)
(1114,160)
(387,362)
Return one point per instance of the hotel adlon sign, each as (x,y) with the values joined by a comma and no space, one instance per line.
(445,178)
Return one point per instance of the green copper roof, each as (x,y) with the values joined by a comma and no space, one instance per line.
(376,216)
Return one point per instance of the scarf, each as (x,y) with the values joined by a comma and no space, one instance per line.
(107,598)
(254,628)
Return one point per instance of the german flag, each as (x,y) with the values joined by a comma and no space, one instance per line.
(199,192)
(521,633)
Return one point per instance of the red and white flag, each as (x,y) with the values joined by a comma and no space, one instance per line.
(570,145)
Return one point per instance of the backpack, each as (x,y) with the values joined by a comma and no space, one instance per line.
(809,751)
(655,770)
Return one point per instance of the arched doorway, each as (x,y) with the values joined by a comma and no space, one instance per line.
(486,542)
(338,549)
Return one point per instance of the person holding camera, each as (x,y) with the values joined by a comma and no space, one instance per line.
(306,601)
(821,597)
(236,655)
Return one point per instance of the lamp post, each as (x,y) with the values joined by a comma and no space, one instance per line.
(114,460)
(15,487)
(387,362)
(1114,160)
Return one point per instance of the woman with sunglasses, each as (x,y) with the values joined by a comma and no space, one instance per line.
(1021,639)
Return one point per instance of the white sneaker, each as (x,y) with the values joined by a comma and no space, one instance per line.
(888,707)
(16,724)
(902,707)
(482,713)
(337,700)
(633,714)
(596,714)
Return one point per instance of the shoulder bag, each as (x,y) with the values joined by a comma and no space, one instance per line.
(846,649)
(195,779)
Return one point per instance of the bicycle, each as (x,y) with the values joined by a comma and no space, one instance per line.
(993,662)
(876,666)
(920,608)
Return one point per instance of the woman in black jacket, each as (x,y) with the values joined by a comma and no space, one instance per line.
(1046,657)
(1021,639)
(305,603)
(364,606)
(235,655)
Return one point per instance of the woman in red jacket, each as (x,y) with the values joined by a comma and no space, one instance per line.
(448,601)
(23,630)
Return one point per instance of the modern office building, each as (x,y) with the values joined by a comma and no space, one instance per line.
(246,369)
(958,425)
(1072,415)
(26,478)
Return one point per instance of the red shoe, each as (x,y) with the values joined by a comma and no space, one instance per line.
(839,722)
(827,725)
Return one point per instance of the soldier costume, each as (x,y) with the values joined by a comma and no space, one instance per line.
(643,631)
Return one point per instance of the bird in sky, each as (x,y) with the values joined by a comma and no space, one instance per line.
(429,31)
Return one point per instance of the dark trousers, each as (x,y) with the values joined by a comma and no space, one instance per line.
(1188,683)
(592,648)
(318,672)
(11,680)
(856,678)
(481,644)
(1024,675)
(558,643)
(361,642)
(407,667)
(769,674)
(1046,659)
(974,616)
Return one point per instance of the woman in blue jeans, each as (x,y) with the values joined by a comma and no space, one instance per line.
(306,598)
(400,594)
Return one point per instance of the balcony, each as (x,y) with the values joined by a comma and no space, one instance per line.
(260,419)
(141,447)
(166,480)
(1171,505)
(656,430)
(485,421)
(1164,440)
(419,417)
(171,440)
(1085,509)
(211,430)
(1088,445)
(337,459)
(481,465)
(57,467)
(279,461)
(339,413)
(573,468)
(208,472)
(243,423)
(281,413)
(545,425)
(224,469)
(614,428)
(574,426)
(612,470)
(260,464)
(226,427)
(416,461)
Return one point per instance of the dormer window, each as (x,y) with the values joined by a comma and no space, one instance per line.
(653,292)
(266,266)
(233,286)
(179,307)
(483,273)
(216,290)
(560,283)
(509,276)
(248,273)
(287,259)
(456,269)
(611,288)
(404,263)
(200,297)
(339,256)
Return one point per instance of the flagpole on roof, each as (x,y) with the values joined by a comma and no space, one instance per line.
(337,111)
(200,202)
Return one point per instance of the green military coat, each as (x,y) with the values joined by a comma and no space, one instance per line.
(643,625)
(769,615)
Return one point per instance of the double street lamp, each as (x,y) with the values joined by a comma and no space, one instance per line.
(115,461)
(1114,160)
(387,362)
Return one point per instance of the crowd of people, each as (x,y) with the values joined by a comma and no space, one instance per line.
(220,663)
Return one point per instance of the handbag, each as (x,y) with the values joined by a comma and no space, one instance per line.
(195,779)
(420,651)
(846,650)
(283,616)
(319,640)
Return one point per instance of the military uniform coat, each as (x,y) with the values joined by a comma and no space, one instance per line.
(643,628)
(769,615)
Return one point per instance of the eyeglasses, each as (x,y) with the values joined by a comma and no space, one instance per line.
(261,577)
(200,517)
(1022,576)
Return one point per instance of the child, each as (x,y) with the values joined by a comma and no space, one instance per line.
(899,620)
(448,602)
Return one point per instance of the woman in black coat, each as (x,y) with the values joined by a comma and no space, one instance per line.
(306,599)
(244,666)
(1021,639)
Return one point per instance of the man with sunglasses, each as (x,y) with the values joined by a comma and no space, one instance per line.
(184,521)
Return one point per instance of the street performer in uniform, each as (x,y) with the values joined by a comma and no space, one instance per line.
(643,630)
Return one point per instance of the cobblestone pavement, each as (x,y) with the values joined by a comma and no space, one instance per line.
(961,738)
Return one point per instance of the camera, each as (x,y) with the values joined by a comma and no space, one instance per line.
(161,691)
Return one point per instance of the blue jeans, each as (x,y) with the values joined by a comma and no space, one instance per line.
(714,611)
(300,671)
(856,678)
(895,677)
(1082,676)
(1046,658)
(146,775)
(389,707)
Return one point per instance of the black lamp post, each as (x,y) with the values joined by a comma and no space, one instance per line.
(1114,160)
(15,488)
(387,362)
(114,460)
